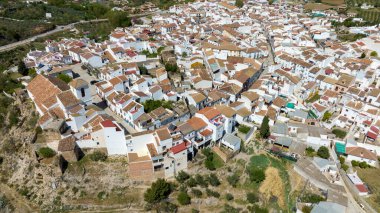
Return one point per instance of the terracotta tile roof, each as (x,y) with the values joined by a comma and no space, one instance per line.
(163,134)
(67,98)
(227,111)
(198,97)
(43,88)
(67,144)
(78,83)
(196,123)
(361,152)
(179,148)
(209,112)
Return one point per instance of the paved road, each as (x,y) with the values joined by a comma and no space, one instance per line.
(63,28)
(56,30)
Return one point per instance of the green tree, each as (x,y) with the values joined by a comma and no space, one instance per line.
(229,196)
(191,182)
(264,128)
(98,156)
(252,197)
(306,209)
(345,167)
(64,77)
(362,55)
(213,180)
(158,191)
(323,152)
(182,176)
(374,54)
(46,152)
(257,175)
(171,67)
(239,3)
(257,209)
(310,151)
(22,69)
(355,163)
(184,54)
(183,198)
(233,179)
(326,116)
(197,193)
(119,19)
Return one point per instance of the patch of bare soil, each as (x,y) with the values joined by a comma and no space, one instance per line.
(273,186)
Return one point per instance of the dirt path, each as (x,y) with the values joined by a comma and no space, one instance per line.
(18,201)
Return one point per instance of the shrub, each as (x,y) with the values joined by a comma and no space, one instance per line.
(339,133)
(183,198)
(252,197)
(244,129)
(345,167)
(323,152)
(212,193)
(312,198)
(64,77)
(182,176)
(230,209)
(191,182)
(158,191)
(326,116)
(310,151)
(374,54)
(38,130)
(101,195)
(201,181)
(355,163)
(364,165)
(257,209)
(194,211)
(46,152)
(257,175)
(233,180)
(341,160)
(98,156)
(213,180)
(306,209)
(197,193)
(209,162)
(229,196)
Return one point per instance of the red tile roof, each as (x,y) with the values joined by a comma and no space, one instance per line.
(179,148)
(361,188)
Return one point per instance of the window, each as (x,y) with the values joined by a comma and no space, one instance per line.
(82,91)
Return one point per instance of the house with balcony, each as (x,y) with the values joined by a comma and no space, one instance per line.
(214,120)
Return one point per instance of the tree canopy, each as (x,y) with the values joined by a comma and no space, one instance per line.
(158,191)
(323,152)
(264,128)
(239,3)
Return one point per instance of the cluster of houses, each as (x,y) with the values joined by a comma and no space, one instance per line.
(234,66)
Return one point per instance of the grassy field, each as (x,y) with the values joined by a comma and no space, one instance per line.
(276,187)
(318,6)
(333,2)
(371,177)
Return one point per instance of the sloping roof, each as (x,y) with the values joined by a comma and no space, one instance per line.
(361,152)
(44,87)
(67,144)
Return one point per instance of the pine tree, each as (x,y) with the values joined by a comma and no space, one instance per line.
(264,129)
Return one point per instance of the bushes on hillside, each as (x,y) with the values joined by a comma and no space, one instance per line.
(98,156)
(46,152)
